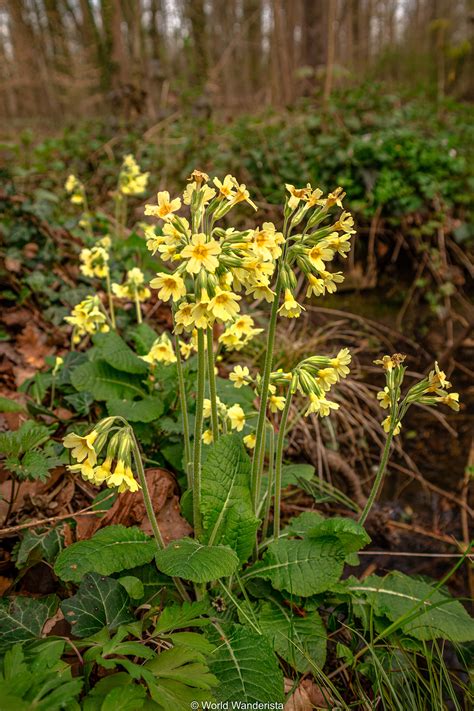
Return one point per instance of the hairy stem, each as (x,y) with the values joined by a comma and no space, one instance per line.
(260,439)
(212,385)
(378,479)
(184,413)
(111,300)
(268,500)
(279,463)
(198,434)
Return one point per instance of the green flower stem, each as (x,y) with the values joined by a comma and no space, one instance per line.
(267,369)
(379,477)
(111,301)
(137,307)
(271,463)
(149,509)
(279,463)
(198,433)
(212,385)
(184,413)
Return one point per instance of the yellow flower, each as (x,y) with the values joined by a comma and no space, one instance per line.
(320,406)
(242,195)
(384,397)
(313,196)
(223,305)
(183,317)
(231,339)
(318,255)
(244,326)
(122,477)
(437,379)
(260,291)
(201,254)
(290,307)
(250,441)
(199,176)
(103,471)
(202,317)
(85,469)
(77,199)
(341,362)
(390,362)
(227,187)
(276,402)
(237,417)
(315,286)
(94,262)
(71,183)
(171,286)
(266,241)
(207,437)
(131,180)
(387,423)
(239,376)
(326,377)
(345,223)
(165,207)
(297,194)
(206,193)
(161,351)
(335,198)
(339,243)
(185,349)
(331,279)
(451,400)
(82,446)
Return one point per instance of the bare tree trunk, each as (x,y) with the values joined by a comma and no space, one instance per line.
(331,44)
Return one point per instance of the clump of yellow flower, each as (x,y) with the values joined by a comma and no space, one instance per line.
(94,262)
(232,417)
(87,318)
(133,287)
(131,180)
(76,191)
(161,351)
(115,470)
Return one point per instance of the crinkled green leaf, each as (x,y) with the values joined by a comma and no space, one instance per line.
(301,567)
(118,354)
(110,550)
(302,524)
(175,617)
(105,382)
(436,613)
(246,667)
(99,602)
(22,618)
(191,560)
(351,534)
(226,503)
(301,641)
(147,409)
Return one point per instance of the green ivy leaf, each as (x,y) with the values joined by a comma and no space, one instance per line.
(301,641)
(190,560)
(100,602)
(246,667)
(110,550)
(146,410)
(301,567)
(115,352)
(226,503)
(436,613)
(105,382)
(22,618)
(38,546)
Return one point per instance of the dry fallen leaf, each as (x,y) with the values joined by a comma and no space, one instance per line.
(307,696)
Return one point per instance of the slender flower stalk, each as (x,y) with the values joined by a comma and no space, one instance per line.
(379,477)
(271,471)
(149,509)
(184,413)
(198,433)
(264,395)
(212,385)
(111,301)
(279,462)
(138,308)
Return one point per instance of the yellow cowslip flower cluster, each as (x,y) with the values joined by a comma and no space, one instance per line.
(115,470)
(432,390)
(133,288)
(161,351)
(131,180)
(87,318)
(94,262)
(212,264)
(76,190)
(232,417)
(316,376)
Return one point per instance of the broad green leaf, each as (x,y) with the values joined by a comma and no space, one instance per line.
(116,353)
(226,503)
(175,617)
(190,560)
(105,382)
(110,550)
(246,667)
(133,586)
(351,534)
(128,698)
(302,524)
(7,405)
(301,641)
(143,336)
(292,472)
(22,618)
(147,409)
(433,614)
(231,395)
(39,546)
(301,567)
(180,677)
(99,602)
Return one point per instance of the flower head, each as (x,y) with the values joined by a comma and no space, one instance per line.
(170,286)
(165,207)
(201,254)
